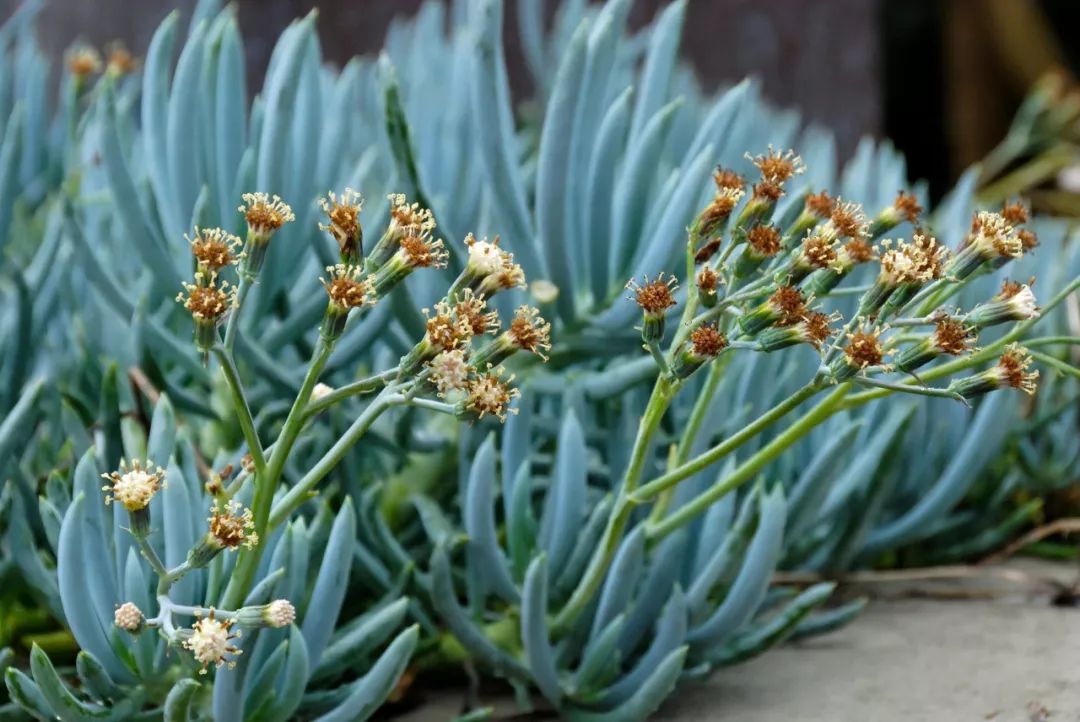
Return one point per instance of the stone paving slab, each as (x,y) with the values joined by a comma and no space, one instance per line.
(1013,658)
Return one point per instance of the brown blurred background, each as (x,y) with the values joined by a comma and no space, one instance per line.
(941,77)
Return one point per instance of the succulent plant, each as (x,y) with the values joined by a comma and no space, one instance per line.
(605,551)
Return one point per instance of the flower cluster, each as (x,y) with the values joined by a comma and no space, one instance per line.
(763,284)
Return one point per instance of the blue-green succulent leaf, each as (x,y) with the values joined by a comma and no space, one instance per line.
(483,545)
(369,692)
(329,591)
(752,583)
(534,631)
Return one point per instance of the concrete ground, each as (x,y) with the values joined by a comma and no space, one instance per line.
(912,656)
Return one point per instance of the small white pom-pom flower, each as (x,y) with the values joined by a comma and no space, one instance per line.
(128,617)
(280,613)
(133,487)
(211,642)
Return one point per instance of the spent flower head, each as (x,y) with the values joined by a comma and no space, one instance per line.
(446,330)
(83,61)
(764,240)
(1015,302)
(1011,371)
(530,332)
(654,297)
(213,250)
(471,310)
(343,223)
(863,350)
(232,526)
(813,329)
(346,287)
(820,205)
(119,60)
(264,214)
(847,219)
(489,394)
(777,166)
(450,371)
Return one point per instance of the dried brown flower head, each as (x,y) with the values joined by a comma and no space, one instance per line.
(864,348)
(232,526)
(472,311)
(857,251)
(1028,239)
(816,328)
(343,215)
(708,340)
(490,394)
(208,303)
(708,249)
(445,330)
(818,251)
(819,205)
(530,332)
(264,215)
(728,180)
(346,289)
(419,251)
(768,191)
(765,240)
(908,207)
(789,304)
(1015,213)
(120,60)
(778,166)
(1012,369)
(656,296)
(952,336)
(708,281)
(721,206)
(83,61)
(214,249)
(849,220)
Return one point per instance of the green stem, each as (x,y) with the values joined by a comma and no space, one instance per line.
(433,405)
(699,504)
(910,389)
(243,412)
(1054,363)
(701,408)
(1053,341)
(658,356)
(300,491)
(151,556)
(703,460)
(356,388)
(663,392)
(265,484)
(230,326)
